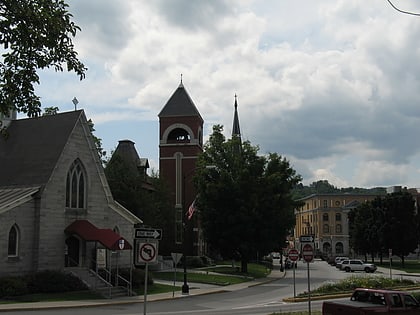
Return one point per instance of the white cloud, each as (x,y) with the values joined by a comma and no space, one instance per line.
(331,84)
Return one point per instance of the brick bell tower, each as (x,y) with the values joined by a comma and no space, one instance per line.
(180,143)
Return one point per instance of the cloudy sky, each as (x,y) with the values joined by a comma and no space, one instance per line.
(332,85)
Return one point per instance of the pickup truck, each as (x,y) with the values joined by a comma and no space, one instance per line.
(372,301)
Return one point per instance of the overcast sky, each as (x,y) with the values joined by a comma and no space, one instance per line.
(332,85)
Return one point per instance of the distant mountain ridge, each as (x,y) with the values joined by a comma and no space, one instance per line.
(324,187)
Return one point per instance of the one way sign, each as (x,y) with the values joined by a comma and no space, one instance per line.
(306,238)
(148,233)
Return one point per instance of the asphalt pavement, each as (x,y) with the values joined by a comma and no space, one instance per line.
(195,289)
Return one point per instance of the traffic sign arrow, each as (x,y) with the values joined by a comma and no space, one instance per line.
(306,239)
(148,233)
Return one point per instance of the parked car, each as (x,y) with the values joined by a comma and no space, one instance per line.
(351,265)
(338,260)
(373,301)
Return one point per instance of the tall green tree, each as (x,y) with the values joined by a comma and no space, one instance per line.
(35,34)
(401,224)
(244,201)
(366,228)
(146,197)
(388,222)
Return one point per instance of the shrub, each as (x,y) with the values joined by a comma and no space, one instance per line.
(12,286)
(49,281)
(195,262)
(138,276)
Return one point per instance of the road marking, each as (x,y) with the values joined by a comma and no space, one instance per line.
(268,304)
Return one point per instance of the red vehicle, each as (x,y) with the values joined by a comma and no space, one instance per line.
(372,301)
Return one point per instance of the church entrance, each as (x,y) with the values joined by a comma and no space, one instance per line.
(72,252)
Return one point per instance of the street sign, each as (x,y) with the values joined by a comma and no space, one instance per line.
(306,238)
(176,257)
(146,252)
(293,254)
(148,233)
(308,253)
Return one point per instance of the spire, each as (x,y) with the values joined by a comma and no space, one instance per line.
(236,130)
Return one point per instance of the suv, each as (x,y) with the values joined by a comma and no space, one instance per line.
(339,260)
(357,265)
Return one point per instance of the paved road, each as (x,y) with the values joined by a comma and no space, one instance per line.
(243,299)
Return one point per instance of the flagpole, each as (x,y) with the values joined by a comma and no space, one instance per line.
(187,215)
(185,287)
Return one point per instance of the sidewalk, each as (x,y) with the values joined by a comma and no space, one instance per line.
(195,289)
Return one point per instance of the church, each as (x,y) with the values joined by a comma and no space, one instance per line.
(56,208)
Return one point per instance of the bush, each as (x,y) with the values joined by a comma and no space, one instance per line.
(54,281)
(50,281)
(12,286)
(195,262)
(138,276)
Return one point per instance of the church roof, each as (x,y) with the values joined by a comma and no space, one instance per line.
(32,148)
(128,153)
(179,104)
(236,130)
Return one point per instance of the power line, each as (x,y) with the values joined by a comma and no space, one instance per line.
(405,12)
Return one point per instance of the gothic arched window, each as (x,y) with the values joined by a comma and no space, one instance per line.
(76,186)
(13,242)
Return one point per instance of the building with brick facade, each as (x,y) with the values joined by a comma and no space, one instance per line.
(180,143)
(325,218)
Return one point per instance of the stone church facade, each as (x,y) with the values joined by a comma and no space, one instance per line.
(56,208)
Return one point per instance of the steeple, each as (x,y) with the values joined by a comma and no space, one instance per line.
(236,130)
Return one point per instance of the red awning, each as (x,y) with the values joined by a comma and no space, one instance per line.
(106,237)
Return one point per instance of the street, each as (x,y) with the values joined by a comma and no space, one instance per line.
(257,300)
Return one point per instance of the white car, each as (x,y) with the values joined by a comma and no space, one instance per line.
(351,265)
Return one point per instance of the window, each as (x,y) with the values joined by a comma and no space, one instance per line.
(338,216)
(326,228)
(13,244)
(339,248)
(325,203)
(338,228)
(325,217)
(76,186)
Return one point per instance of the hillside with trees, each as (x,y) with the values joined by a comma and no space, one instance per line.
(324,187)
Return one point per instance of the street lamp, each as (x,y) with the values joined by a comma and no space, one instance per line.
(185,287)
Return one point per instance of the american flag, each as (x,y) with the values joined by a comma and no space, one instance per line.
(191,210)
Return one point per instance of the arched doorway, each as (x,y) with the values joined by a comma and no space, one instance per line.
(72,252)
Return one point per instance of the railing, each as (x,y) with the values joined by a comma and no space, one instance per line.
(128,285)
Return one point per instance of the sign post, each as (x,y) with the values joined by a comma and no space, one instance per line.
(390,263)
(308,256)
(146,245)
(293,256)
(176,257)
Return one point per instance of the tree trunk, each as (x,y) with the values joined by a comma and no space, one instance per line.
(244,266)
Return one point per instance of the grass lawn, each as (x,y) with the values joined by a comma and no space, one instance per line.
(53,297)
(218,275)
(410,266)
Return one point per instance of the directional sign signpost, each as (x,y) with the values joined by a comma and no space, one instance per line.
(146,240)
(155,234)
(293,255)
(306,238)
(308,256)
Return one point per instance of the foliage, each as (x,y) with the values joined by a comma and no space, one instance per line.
(35,34)
(353,282)
(146,197)
(48,111)
(245,202)
(324,187)
(48,281)
(385,222)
